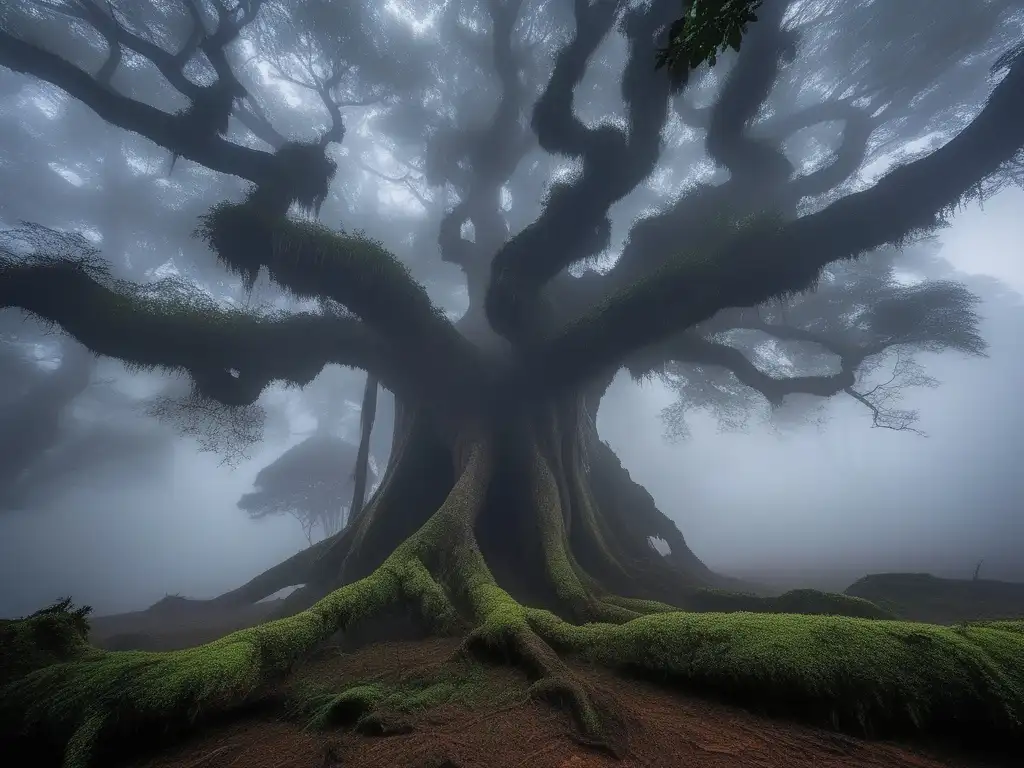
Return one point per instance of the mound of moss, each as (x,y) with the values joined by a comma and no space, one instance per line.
(927,598)
(867,677)
(804,601)
(365,702)
(874,677)
(54,634)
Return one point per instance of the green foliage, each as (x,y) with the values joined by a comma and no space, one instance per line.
(54,634)
(707,28)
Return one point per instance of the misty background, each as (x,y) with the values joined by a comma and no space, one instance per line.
(819,503)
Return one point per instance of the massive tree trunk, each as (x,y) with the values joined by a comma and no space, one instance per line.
(558,495)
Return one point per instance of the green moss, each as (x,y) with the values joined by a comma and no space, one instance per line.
(856,674)
(802,601)
(464,684)
(313,261)
(89,703)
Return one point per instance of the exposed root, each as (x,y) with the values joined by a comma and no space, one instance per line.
(90,705)
(596,725)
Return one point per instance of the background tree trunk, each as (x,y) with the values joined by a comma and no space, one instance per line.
(367,414)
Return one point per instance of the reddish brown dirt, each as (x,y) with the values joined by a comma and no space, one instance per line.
(666,729)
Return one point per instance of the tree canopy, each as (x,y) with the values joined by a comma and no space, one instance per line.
(531,291)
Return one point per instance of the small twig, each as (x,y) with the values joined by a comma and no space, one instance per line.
(210,755)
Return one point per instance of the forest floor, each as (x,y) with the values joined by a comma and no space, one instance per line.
(501,729)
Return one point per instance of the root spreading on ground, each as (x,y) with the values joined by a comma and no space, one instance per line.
(856,674)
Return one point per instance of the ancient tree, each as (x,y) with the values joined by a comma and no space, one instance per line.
(494,439)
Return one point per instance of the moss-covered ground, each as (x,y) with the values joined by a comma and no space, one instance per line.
(863,675)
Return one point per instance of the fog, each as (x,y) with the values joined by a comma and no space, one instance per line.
(849,499)
(817,504)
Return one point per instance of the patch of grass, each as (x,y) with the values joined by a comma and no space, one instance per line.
(872,677)
(810,602)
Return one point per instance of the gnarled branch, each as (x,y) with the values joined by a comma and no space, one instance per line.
(167,130)
(769,260)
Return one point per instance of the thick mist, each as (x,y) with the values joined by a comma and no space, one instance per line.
(825,506)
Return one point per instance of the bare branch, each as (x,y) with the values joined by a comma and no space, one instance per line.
(169,131)
(693,349)
(158,325)
(881,398)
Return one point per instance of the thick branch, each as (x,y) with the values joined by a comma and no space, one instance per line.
(169,131)
(493,156)
(763,262)
(313,262)
(574,223)
(231,356)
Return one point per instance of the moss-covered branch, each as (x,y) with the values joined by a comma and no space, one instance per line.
(357,272)
(231,354)
(767,259)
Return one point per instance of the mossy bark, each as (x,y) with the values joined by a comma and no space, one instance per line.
(558,495)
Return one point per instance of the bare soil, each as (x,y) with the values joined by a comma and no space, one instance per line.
(666,729)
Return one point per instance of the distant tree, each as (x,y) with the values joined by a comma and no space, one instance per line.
(498,493)
(50,440)
(308,481)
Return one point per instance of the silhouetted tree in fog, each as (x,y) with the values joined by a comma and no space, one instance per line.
(498,492)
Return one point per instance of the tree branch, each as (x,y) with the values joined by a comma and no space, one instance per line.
(574,223)
(169,131)
(769,260)
(313,262)
(696,350)
(231,355)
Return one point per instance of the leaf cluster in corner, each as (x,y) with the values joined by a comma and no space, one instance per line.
(707,28)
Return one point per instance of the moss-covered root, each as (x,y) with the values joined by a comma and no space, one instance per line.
(575,589)
(863,676)
(597,724)
(83,708)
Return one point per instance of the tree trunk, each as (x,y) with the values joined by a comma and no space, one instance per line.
(557,495)
(367,414)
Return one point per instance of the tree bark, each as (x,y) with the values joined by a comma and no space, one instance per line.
(557,495)
(367,414)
